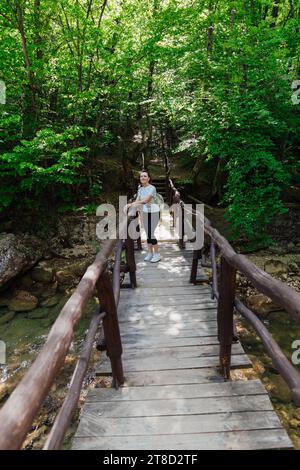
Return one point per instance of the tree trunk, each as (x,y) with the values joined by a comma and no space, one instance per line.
(30,111)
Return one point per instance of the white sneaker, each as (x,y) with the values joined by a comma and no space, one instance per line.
(148,257)
(156,257)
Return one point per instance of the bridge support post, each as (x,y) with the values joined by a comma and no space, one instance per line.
(138,228)
(139,240)
(181,221)
(214,291)
(111,328)
(196,255)
(225,314)
(129,246)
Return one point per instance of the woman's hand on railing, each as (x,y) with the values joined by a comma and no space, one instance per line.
(131,209)
(125,208)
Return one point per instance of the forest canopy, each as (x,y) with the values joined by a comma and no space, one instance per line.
(209,80)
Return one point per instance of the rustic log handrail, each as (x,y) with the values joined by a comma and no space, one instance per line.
(231,262)
(284,295)
(19,411)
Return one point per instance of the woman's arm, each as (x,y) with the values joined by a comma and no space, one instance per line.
(145,200)
(139,202)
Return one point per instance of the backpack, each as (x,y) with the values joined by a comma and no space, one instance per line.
(159,200)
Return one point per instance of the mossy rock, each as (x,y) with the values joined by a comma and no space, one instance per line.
(294,423)
(41,312)
(44,290)
(4,301)
(64,276)
(7,317)
(5,390)
(45,322)
(280,391)
(18,254)
(79,267)
(23,301)
(27,282)
(261,304)
(42,274)
(275,267)
(293,267)
(51,302)
(72,271)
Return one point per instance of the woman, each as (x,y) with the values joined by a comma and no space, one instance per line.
(150,214)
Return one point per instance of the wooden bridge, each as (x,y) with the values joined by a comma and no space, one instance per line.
(170,344)
(174,397)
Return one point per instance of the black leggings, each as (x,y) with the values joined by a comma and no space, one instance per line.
(150,221)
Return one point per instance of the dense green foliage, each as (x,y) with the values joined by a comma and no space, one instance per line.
(89,78)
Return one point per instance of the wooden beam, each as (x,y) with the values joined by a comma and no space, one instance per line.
(111,327)
(225,315)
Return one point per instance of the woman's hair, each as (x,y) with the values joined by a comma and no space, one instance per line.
(146,171)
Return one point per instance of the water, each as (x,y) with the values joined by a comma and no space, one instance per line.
(284,330)
(24,338)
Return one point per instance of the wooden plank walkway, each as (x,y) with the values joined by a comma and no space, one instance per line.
(174,397)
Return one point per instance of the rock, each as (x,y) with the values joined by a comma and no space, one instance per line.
(258,367)
(23,301)
(51,301)
(249,340)
(36,435)
(206,274)
(284,415)
(45,322)
(38,313)
(63,232)
(7,317)
(44,290)
(18,254)
(4,301)
(275,249)
(261,304)
(293,267)
(296,414)
(64,276)
(54,247)
(72,271)
(50,290)
(280,390)
(295,439)
(27,282)
(294,423)
(48,255)
(75,252)
(42,273)
(274,266)
(5,390)
(241,280)
(291,246)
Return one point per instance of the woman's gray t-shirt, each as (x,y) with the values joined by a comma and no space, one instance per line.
(145,191)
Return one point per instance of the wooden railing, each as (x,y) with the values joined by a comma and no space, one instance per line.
(224,291)
(19,411)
